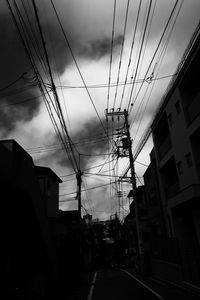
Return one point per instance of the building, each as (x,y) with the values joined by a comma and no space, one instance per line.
(49,187)
(29,256)
(175,163)
(155,209)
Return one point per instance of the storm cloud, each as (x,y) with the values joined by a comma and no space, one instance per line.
(90,142)
(25,105)
(88,29)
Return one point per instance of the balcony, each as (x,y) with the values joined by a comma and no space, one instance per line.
(164,147)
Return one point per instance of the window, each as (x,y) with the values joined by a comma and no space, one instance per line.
(188,158)
(180,167)
(170,119)
(178,107)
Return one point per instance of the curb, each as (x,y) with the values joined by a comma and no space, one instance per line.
(182,285)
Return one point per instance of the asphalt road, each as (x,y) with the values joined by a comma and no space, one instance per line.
(121,284)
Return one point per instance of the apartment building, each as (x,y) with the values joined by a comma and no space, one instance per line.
(176,138)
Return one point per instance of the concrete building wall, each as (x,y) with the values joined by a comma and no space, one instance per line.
(176,138)
(181,144)
(49,187)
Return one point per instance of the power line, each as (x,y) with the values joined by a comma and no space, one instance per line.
(159,43)
(13,82)
(94,167)
(101,154)
(121,53)
(131,51)
(104,175)
(76,63)
(111,53)
(73,158)
(92,188)
(160,59)
(37,74)
(114,84)
(147,133)
(141,47)
(32,37)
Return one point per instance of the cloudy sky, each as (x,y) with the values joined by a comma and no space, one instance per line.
(79,36)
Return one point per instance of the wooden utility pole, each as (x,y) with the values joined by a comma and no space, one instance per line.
(134,186)
(79,182)
(79,258)
(135,198)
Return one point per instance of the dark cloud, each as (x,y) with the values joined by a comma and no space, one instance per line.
(21,107)
(12,55)
(88,29)
(99,48)
(91,142)
(14,63)
(14,60)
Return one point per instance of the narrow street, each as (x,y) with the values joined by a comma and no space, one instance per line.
(123,284)
(100,149)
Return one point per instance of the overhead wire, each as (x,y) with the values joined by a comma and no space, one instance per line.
(37,74)
(157,48)
(131,51)
(146,39)
(88,189)
(166,28)
(13,82)
(56,147)
(137,50)
(89,201)
(57,73)
(140,51)
(56,98)
(113,84)
(109,143)
(143,55)
(160,58)
(76,63)
(32,36)
(93,167)
(111,54)
(121,52)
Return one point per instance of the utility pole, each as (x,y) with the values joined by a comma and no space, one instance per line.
(134,186)
(79,182)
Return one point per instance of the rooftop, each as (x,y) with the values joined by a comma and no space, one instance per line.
(47,171)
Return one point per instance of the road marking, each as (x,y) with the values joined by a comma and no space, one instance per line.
(92,286)
(142,283)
